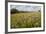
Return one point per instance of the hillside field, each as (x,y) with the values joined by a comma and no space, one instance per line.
(26,20)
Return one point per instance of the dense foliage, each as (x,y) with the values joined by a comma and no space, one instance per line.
(14,11)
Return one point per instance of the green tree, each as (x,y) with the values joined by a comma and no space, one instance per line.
(14,11)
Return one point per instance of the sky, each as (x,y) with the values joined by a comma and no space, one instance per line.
(25,7)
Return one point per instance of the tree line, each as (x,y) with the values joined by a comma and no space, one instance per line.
(17,11)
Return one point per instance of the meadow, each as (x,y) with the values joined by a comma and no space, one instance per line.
(26,20)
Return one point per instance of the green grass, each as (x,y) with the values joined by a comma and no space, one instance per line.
(26,20)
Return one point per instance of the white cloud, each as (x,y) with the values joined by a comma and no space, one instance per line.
(25,7)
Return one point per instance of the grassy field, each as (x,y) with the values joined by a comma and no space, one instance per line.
(26,20)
